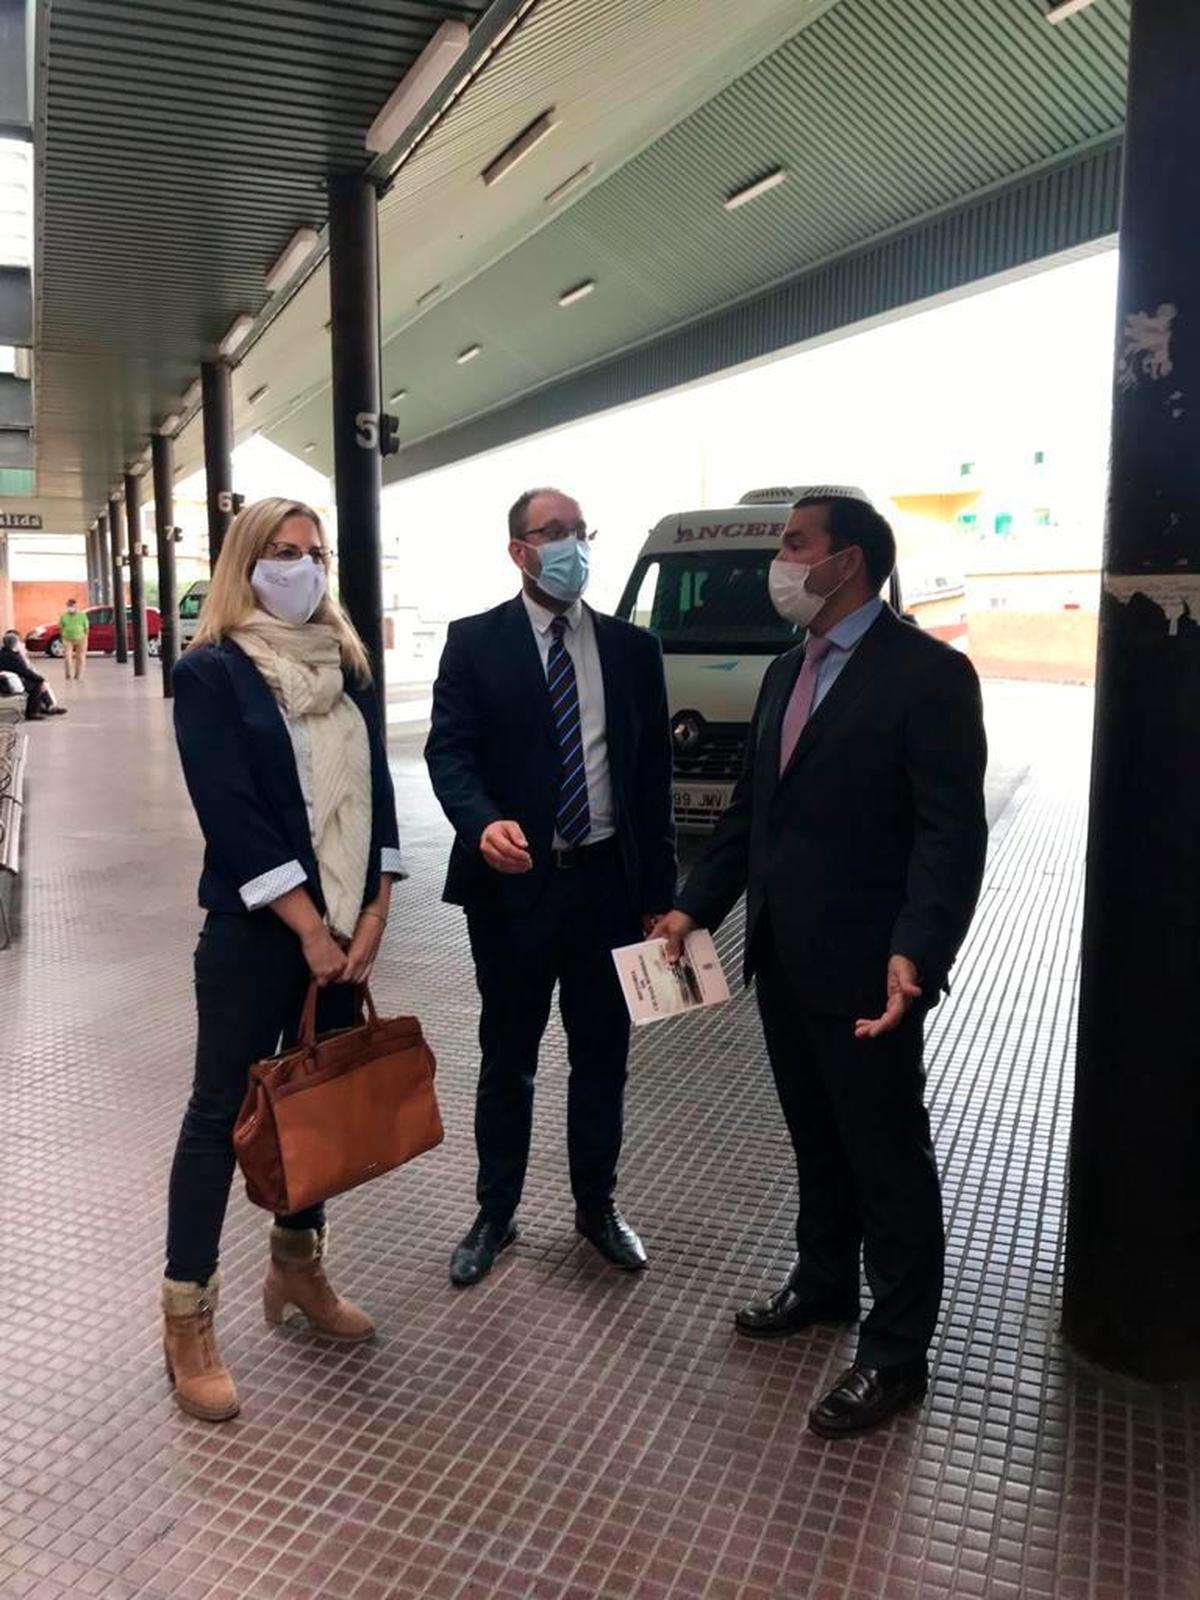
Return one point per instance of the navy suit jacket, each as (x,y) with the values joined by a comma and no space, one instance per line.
(493,755)
(240,768)
(872,842)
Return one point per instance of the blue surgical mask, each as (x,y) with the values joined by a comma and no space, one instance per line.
(566,565)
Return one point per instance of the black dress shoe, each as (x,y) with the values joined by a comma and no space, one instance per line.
(790,1311)
(476,1255)
(864,1397)
(616,1241)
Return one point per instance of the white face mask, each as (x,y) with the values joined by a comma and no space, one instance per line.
(787,583)
(290,590)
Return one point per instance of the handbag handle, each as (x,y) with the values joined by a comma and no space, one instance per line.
(308,1017)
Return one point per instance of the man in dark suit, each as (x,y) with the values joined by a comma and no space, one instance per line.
(550,753)
(858,828)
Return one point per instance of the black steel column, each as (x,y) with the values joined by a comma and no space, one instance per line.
(116,533)
(103,550)
(164,517)
(89,553)
(218,452)
(96,552)
(358,474)
(137,575)
(1132,1289)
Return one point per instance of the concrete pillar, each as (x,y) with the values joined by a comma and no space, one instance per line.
(1132,1288)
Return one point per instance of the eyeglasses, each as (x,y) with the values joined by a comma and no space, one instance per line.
(292,552)
(553,532)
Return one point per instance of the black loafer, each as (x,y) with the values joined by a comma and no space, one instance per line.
(790,1311)
(607,1230)
(864,1397)
(476,1255)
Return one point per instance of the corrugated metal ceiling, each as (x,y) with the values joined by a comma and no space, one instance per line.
(187,141)
(882,111)
(183,142)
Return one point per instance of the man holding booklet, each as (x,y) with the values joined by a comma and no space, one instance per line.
(858,829)
(550,752)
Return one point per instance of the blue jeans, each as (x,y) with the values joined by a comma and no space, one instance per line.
(251,980)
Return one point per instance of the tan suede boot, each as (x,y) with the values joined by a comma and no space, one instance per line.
(203,1386)
(296,1277)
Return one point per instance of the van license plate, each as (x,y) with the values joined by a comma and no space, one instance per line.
(709,802)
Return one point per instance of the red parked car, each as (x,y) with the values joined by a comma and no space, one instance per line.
(102,634)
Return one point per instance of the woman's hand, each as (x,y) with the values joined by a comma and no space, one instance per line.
(364,947)
(326,959)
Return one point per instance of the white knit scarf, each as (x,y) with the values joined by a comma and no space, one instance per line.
(302,664)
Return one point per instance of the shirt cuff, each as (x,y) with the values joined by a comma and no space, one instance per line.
(390,862)
(271,885)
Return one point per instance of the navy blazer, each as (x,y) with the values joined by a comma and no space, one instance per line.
(493,755)
(872,842)
(240,768)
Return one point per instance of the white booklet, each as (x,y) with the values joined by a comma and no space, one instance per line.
(655,990)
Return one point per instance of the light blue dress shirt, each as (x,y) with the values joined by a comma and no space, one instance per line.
(844,641)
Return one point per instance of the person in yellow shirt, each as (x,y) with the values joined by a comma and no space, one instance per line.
(73,625)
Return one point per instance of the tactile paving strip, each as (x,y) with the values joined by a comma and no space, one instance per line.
(561,1432)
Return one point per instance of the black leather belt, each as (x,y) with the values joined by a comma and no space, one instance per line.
(588,855)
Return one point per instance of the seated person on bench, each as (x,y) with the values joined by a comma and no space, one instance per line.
(39,702)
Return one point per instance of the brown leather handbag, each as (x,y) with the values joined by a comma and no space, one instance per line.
(336,1111)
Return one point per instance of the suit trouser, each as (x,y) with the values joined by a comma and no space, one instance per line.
(76,650)
(864,1157)
(568,939)
(251,982)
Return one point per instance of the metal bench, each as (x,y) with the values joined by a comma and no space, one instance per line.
(13,747)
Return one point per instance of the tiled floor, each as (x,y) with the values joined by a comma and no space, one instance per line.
(561,1433)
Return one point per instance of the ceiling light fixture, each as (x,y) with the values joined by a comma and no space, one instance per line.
(751,191)
(416,86)
(309,448)
(169,424)
(236,335)
(468,354)
(528,139)
(291,258)
(257,395)
(566,186)
(570,297)
(1060,10)
(397,397)
(430,294)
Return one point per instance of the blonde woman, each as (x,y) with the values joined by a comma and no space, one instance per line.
(283,752)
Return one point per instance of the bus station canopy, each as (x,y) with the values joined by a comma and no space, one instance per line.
(603,199)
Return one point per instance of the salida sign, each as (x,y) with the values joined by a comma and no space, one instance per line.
(20,519)
(708,531)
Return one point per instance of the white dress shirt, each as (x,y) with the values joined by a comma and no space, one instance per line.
(580,643)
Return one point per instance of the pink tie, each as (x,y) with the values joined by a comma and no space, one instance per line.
(799,707)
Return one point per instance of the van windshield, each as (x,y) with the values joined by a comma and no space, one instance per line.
(712,601)
(189,606)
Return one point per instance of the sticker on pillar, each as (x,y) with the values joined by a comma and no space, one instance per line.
(1147,351)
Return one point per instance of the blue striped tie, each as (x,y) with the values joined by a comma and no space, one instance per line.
(574,817)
